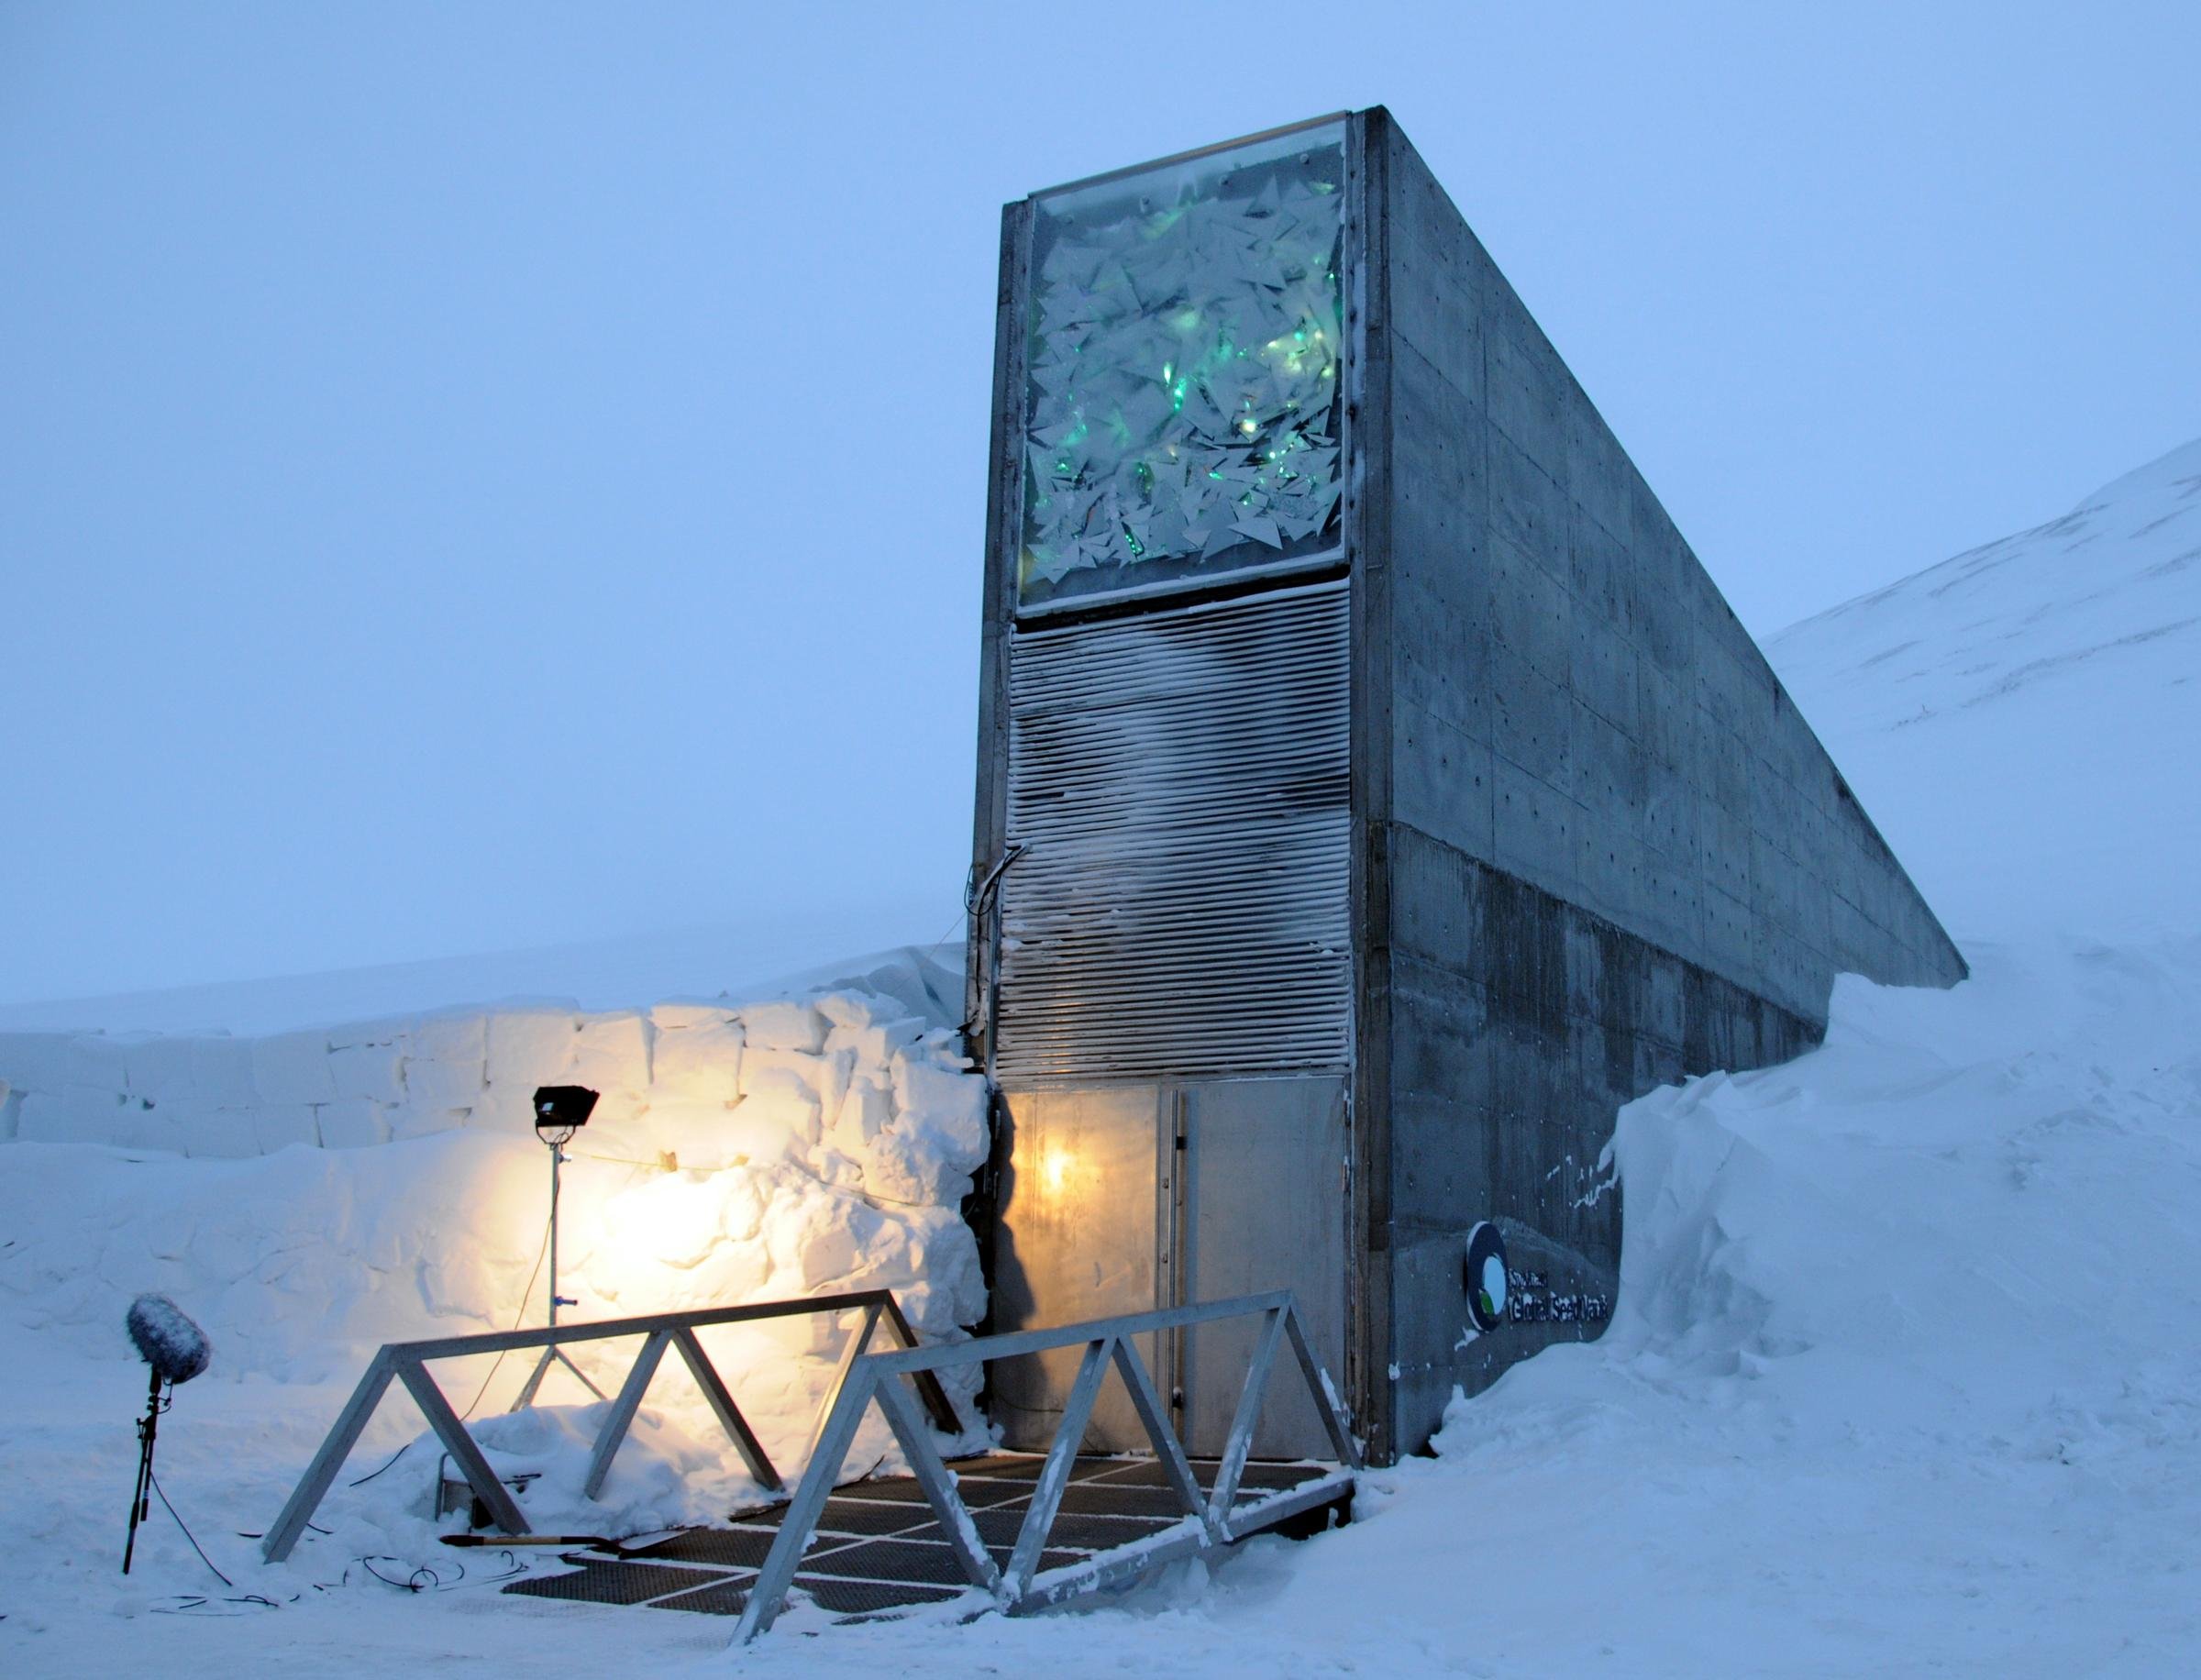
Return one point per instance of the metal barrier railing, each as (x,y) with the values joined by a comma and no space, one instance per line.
(867,1377)
(406,1363)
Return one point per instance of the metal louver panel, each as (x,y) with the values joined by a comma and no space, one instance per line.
(1179,780)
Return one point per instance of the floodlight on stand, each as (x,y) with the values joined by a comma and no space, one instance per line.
(560,1111)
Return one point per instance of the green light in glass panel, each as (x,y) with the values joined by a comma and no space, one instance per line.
(1186,327)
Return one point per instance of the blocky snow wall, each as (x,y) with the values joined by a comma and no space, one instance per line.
(305,1191)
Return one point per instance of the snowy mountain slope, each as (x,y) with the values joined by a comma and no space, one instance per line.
(2024,720)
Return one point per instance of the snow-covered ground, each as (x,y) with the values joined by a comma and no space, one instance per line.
(1905,1375)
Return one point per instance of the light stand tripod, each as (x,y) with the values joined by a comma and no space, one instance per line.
(560,1111)
(141,1498)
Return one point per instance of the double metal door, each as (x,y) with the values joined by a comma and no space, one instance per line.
(1120,1198)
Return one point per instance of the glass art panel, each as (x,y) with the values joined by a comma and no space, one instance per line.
(1183,392)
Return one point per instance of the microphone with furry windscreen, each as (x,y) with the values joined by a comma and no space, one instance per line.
(176,1349)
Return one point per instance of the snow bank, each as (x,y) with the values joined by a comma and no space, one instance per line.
(1977,1200)
(1905,1363)
(307,1196)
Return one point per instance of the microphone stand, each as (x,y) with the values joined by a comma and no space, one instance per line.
(141,1498)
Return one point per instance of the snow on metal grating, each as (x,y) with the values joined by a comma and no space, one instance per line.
(1181,780)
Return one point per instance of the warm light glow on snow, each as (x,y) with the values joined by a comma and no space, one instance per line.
(663,1219)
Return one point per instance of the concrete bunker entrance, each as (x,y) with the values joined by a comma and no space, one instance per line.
(1378,793)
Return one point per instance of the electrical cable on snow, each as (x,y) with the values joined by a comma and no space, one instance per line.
(427,1578)
(218,1576)
(542,1249)
(193,1604)
(411,1584)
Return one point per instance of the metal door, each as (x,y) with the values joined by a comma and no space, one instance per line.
(1262,1206)
(1077,1237)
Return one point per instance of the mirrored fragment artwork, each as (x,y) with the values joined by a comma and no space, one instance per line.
(1183,373)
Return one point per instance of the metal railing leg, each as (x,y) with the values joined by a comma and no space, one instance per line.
(1055,1475)
(1240,1441)
(939,1491)
(461,1446)
(928,1382)
(858,1340)
(801,1518)
(1325,1407)
(722,1403)
(313,1486)
(622,1411)
(1147,1402)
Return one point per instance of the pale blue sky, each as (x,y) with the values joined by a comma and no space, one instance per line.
(475,476)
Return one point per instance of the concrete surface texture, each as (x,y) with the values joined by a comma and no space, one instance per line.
(1601,848)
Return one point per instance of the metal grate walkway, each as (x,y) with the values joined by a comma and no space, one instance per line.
(880,1551)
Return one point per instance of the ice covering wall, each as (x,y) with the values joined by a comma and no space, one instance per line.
(1183,390)
(304,1193)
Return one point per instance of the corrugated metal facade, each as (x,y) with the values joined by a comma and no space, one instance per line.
(1179,779)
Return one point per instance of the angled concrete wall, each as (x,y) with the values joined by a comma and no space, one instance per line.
(1599,847)
(1593,847)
